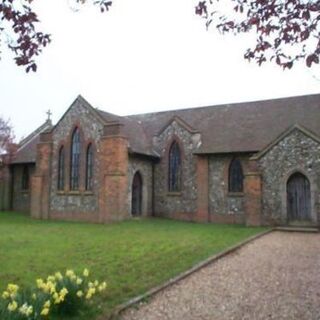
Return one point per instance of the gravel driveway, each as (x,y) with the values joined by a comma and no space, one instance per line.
(274,277)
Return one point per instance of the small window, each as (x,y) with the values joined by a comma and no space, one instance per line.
(61,169)
(174,168)
(235,176)
(89,167)
(25,178)
(75,160)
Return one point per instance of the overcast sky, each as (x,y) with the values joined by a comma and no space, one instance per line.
(142,56)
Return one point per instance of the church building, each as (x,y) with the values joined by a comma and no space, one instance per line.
(254,163)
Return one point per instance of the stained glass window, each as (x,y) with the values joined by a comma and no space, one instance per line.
(75,160)
(235,176)
(89,167)
(174,168)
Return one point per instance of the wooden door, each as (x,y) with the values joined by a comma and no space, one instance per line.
(298,198)
(136,204)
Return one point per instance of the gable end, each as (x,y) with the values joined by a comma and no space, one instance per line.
(286,133)
(180,122)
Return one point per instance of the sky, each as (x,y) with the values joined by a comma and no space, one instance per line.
(142,56)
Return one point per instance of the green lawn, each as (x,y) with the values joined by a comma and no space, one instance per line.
(132,256)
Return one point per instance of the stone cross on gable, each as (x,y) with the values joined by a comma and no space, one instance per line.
(49,113)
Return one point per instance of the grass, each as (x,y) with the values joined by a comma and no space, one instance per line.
(132,256)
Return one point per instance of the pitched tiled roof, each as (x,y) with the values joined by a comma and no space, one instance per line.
(240,127)
(27,150)
(133,129)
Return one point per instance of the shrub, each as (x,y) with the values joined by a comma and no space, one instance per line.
(58,294)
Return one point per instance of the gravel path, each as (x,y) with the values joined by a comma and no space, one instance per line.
(274,277)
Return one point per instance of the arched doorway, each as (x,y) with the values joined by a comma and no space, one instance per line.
(298,198)
(136,202)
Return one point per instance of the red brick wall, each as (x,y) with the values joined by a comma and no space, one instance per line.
(253,195)
(113,198)
(202,214)
(40,182)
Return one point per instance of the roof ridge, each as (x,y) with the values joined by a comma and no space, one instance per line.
(27,139)
(232,104)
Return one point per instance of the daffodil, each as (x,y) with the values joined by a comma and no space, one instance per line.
(70,273)
(40,283)
(58,276)
(79,293)
(12,289)
(47,304)
(56,298)
(12,306)
(26,310)
(90,293)
(5,295)
(79,281)
(102,286)
(62,294)
(45,312)
(86,272)
(29,311)
(50,287)
(51,278)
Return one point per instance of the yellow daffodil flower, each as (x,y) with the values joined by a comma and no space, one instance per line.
(47,304)
(44,312)
(70,273)
(102,286)
(58,276)
(86,272)
(12,306)
(26,310)
(79,293)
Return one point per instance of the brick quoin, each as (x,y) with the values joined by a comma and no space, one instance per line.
(113,204)
(40,181)
(253,195)
(202,214)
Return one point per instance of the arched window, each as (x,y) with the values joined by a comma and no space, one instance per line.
(75,160)
(89,167)
(136,196)
(174,168)
(235,176)
(61,169)
(25,178)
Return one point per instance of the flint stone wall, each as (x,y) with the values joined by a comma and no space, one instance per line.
(222,202)
(183,204)
(91,130)
(297,152)
(144,167)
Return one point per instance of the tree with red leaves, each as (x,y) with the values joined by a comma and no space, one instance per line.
(286,30)
(18,31)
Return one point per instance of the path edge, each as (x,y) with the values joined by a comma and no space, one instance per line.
(184,274)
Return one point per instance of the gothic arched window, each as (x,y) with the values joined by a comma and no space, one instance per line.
(25,178)
(61,169)
(75,160)
(89,167)
(235,176)
(174,168)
